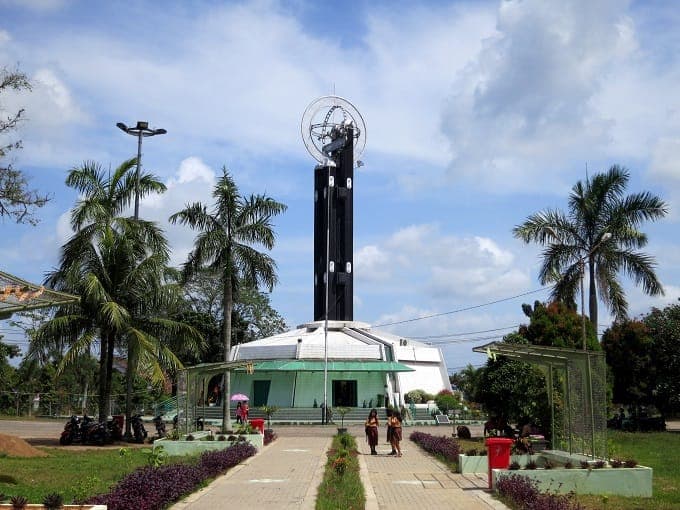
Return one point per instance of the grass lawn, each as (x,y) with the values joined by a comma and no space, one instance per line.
(73,474)
(658,450)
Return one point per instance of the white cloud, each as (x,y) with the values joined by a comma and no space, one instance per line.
(36,5)
(52,103)
(442,266)
(523,109)
(665,157)
(373,263)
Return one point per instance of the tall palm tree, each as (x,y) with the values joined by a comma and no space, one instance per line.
(600,230)
(227,244)
(115,263)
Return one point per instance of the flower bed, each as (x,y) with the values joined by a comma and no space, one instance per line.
(525,494)
(154,488)
(40,506)
(628,482)
(447,447)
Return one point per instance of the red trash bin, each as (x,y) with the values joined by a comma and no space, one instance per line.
(498,449)
(257,423)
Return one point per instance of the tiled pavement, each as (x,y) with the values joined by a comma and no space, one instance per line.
(286,474)
(416,480)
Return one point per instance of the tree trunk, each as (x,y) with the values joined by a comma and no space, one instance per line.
(103,413)
(228,304)
(104,349)
(104,371)
(129,388)
(592,295)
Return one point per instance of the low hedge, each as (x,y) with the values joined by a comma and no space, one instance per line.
(523,494)
(447,447)
(154,488)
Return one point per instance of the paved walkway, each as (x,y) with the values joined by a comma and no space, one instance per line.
(286,474)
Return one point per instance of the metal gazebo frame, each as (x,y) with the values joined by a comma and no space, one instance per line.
(584,385)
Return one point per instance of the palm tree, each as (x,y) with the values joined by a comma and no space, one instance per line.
(115,264)
(226,244)
(600,230)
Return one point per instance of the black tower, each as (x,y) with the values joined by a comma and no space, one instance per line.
(333,227)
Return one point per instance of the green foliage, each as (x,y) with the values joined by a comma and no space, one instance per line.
(599,234)
(53,501)
(342,411)
(447,401)
(269,411)
(664,327)
(557,325)
(341,488)
(514,390)
(116,264)
(644,359)
(230,235)
(157,456)
(630,356)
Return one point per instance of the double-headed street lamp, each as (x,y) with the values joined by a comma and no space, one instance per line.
(141,130)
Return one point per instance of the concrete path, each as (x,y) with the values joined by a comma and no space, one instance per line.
(417,481)
(283,475)
(287,473)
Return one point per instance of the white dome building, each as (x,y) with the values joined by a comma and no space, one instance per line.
(366,368)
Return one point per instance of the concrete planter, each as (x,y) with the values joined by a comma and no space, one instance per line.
(628,482)
(480,463)
(196,447)
(472,463)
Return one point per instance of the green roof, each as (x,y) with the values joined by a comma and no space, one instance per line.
(333,366)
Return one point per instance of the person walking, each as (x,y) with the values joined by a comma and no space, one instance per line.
(239,413)
(244,412)
(388,415)
(371,428)
(394,423)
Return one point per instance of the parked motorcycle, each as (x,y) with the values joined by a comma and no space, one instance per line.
(113,430)
(71,432)
(138,430)
(160,426)
(93,432)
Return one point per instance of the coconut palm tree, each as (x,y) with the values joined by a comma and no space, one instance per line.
(227,243)
(600,231)
(115,264)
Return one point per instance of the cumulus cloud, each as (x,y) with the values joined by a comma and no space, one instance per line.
(443,266)
(523,109)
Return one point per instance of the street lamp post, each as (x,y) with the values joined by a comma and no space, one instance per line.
(141,130)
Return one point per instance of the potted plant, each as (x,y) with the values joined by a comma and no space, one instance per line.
(269,412)
(342,411)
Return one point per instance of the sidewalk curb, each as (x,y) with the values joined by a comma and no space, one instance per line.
(369,493)
(309,501)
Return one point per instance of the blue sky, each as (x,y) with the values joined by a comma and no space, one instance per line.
(477,114)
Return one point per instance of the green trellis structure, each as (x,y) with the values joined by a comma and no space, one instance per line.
(192,388)
(18,295)
(577,390)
